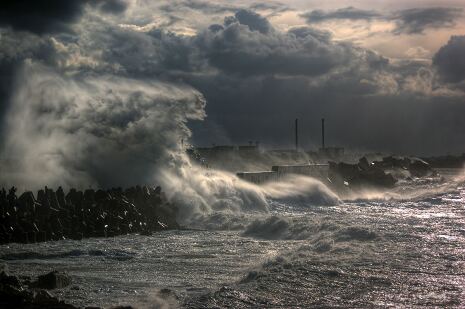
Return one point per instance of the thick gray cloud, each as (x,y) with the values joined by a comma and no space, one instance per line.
(111,6)
(409,21)
(275,7)
(257,79)
(248,45)
(254,21)
(199,5)
(349,13)
(415,21)
(450,59)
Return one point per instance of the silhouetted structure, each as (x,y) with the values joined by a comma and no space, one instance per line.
(322,133)
(54,215)
(296,134)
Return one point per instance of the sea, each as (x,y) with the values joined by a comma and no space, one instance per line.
(404,248)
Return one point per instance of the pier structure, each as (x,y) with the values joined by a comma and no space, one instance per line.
(278,172)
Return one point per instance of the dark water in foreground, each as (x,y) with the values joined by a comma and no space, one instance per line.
(370,252)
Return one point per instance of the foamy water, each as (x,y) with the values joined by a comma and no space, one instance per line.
(374,251)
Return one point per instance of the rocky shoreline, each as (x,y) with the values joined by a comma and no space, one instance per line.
(54,215)
(27,294)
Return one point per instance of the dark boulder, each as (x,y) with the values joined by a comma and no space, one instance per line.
(6,279)
(364,164)
(53,280)
(419,168)
(44,298)
(359,175)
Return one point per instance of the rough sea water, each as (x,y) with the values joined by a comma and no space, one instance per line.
(399,249)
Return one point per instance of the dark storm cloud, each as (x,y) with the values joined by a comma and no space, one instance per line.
(50,16)
(450,59)
(254,21)
(349,13)
(416,21)
(248,45)
(257,79)
(357,117)
(216,8)
(110,6)
(40,16)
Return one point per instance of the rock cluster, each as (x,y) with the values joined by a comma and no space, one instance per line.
(52,280)
(359,175)
(416,167)
(13,294)
(54,215)
(384,173)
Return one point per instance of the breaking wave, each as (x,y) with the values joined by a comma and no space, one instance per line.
(104,131)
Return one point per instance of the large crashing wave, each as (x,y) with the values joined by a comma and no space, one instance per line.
(93,131)
(106,131)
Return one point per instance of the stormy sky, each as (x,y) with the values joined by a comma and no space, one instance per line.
(386,75)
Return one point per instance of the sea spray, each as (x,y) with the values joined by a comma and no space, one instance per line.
(93,130)
(204,193)
(306,190)
(201,192)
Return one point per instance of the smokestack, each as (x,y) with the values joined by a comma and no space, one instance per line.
(296,134)
(322,133)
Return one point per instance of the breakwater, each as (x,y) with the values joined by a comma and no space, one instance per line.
(54,215)
(318,171)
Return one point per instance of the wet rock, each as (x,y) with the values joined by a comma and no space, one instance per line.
(27,200)
(6,279)
(364,164)
(53,280)
(43,297)
(415,166)
(359,175)
(13,297)
(419,168)
(12,294)
(4,268)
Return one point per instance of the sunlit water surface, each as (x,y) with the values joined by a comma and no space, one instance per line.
(363,253)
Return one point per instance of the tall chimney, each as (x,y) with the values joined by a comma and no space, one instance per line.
(322,133)
(296,134)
